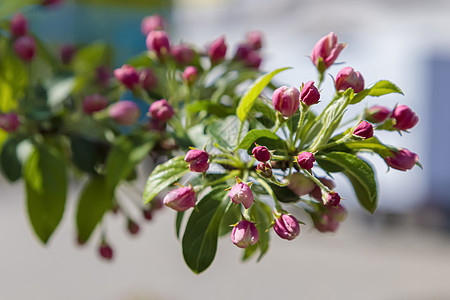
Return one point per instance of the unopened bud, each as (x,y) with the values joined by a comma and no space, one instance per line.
(287,227)
(244,234)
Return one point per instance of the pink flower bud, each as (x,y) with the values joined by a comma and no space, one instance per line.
(328,49)
(254,39)
(94,103)
(241,193)
(198,160)
(325,223)
(180,199)
(51,2)
(9,122)
(316,193)
(102,74)
(377,114)
(309,94)
(182,54)
(150,23)
(306,160)
(105,251)
(133,227)
(333,199)
(190,75)
(161,110)
(404,117)
(242,52)
(253,60)
(19,25)
(148,79)
(217,50)
(261,153)
(349,78)
(287,227)
(300,184)
(402,160)
(25,47)
(124,112)
(338,212)
(244,234)
(158,41)
(67,53)
(364,130)
(127,75)
(264,169)
(147,213)
(286,100)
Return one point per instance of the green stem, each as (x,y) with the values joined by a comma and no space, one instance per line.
(269,190)
(240,132)
(303,111)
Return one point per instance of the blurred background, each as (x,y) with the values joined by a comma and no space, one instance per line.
(401,252)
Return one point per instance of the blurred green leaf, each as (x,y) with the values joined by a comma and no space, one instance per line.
(59,90)
(11,166)
(202,230)
(95,200)
(9,7)
(46,187)
(164,175)
(125,154)
(253,92)
(225,131)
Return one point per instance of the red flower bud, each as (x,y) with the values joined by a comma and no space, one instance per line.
(244,234)
(349,78)
(127,75)
(190,75)
(286,100)
(161,110)
(19,25)
(253,60)
(254,39)
(9,122)
(148,79)
(105,251)
(198,160)
(51,2)
(102,74)
(264,169)
(261,153)
(402,160)
(241,193)
(133,227)
(309,94)
(328,49)
(25,47)
(404,117)
(94,103)
(182,54)
(333,199)
(300,184)
(317,192)
(217,50)
(306,160)
(180,199)
(124,112)
(364,130)
(150,23)
(328,219)
(147,213)
(67,53)
(242,52)
(158,41)
(287,227)
(377,114)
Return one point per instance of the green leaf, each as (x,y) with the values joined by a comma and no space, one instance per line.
(10,164)
(253,92)
(275,142)
(360,175)
(87,153)
(8,7)
(178,223)
(202,230)
(212,108)
(382,87)
(371,145)
(94,201)
(225,131)
(46,187)
(59,90)
(164,175)
(125,154)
